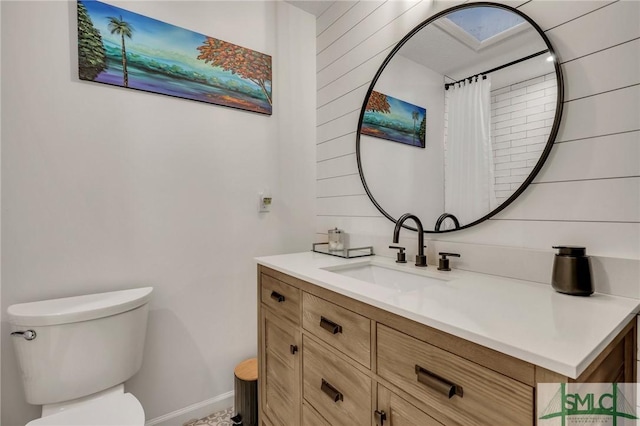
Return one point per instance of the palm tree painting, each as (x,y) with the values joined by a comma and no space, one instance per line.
(126,49)
(392,119)
(122,28)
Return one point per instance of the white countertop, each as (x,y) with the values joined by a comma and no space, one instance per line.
(526,320)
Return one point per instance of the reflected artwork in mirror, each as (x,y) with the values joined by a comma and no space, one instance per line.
(492,85)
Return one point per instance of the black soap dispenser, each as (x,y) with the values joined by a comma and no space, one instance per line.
(572,271)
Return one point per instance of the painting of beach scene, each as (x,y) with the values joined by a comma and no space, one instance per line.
(389,118)
(126,49)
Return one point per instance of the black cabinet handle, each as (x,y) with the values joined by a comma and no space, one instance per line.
(277,296)
(333,393)
(330,326)
(380,416)
(293,349)
(437,383)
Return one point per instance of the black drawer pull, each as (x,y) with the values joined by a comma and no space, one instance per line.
(293,349)
(380,416)
(277,296)
(330,326)
(333,393)
(437,383)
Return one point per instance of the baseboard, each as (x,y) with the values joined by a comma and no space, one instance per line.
(193,411)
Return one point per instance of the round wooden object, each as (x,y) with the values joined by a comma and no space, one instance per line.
(246,393)
(247,370)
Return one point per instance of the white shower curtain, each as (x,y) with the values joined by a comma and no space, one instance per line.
(469,171)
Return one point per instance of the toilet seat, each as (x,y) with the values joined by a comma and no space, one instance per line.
(113,410)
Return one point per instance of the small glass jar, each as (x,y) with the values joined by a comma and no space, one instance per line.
(336,239)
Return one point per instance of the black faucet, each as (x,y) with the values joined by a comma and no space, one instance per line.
(421,259)
(443,216)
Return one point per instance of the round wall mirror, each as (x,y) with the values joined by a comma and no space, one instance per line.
(460,117)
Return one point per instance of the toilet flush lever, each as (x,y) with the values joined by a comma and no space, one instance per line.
(28,334)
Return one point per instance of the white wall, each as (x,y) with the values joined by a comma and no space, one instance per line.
(109,188)
(588,193)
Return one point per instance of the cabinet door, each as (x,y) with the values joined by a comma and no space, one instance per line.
(397,412)
(280,369)
(310,417)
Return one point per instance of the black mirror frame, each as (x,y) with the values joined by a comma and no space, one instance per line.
(545,152)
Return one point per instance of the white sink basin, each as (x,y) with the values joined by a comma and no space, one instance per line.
(388,277)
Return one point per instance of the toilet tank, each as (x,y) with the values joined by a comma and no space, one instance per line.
(82,344)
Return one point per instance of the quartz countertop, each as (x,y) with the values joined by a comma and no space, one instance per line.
(524,319)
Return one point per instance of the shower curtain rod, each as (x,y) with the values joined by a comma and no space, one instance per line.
(483,74)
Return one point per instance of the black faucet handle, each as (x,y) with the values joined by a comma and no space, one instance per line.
(401,257)
(443,262)
(444,254)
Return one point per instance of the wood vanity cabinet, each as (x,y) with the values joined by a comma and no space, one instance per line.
(328,360)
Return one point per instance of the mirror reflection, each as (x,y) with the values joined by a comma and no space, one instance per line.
(459,117)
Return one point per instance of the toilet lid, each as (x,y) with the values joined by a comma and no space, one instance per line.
(114,410)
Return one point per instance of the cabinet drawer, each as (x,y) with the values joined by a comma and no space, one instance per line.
(337,390)
(341,328)
(461,390)
(282,298)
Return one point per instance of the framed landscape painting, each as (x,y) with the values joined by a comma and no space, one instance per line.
(127,49)
(389,118)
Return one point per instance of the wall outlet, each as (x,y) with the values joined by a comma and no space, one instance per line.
(264,200)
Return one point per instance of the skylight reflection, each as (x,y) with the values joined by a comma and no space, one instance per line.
(484,22)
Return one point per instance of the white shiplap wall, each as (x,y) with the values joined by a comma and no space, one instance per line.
(588,193)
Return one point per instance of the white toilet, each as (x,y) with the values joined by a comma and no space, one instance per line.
(75,354)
